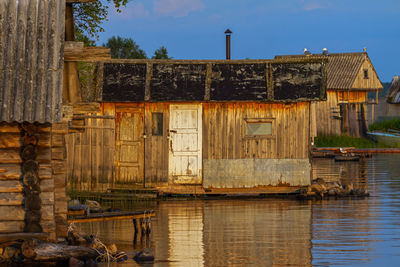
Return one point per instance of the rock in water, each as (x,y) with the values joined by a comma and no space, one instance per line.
(144,255)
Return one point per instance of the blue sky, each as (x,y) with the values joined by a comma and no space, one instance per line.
(194,29)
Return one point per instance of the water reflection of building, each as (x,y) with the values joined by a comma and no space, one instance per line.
(239,232)
(342,229)
(344,172)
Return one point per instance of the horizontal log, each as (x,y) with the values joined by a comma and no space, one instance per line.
(47,185)
(13,140)
(11,226)
(51,252)
(59,167)
(57,140)
(59,128)
(47,198)
(60,180)
(10,171)
(9,128)
(23,236)
(12,213)
(10,186)
(60,207)
(60,194)
(58,153)
(10,156)
(45,171)
(47,212)
(86,54)
(11,199)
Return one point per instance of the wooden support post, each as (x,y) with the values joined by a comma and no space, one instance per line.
(71,87)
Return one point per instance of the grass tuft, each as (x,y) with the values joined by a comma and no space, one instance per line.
(348,141)
(393,124)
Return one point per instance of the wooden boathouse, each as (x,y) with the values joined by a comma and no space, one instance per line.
(350,77)
(33,199)
(197,126)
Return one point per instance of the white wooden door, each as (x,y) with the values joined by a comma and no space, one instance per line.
(185,160)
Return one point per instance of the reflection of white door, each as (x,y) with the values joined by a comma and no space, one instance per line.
(185,144)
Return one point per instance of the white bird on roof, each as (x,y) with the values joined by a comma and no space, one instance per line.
(306,52)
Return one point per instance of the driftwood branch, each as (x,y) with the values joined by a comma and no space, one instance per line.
(37,250)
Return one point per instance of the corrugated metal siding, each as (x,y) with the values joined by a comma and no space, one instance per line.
(31,60)
(342,68)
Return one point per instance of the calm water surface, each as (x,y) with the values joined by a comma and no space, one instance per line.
(276,232)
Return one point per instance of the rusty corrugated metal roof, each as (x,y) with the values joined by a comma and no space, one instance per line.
(31,60)
(342,68)
(393,96)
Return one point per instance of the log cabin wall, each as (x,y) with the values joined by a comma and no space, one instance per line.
(43,207)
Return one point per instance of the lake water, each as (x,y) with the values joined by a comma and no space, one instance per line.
(278,232)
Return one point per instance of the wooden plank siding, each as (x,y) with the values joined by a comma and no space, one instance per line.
(224,137)
(90,154)
(224,131)
(372,83)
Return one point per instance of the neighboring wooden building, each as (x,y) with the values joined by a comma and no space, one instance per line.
(32,128)
(214,125)
(392,105)
(351,76)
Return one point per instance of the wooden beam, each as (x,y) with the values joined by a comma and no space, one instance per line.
(23,236)
(75,51)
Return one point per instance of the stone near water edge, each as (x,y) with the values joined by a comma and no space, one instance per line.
(144,255)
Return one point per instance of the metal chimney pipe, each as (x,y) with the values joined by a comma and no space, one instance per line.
(228,44)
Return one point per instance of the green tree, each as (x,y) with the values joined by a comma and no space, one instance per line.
(89,16)
(124,48)
(161,53)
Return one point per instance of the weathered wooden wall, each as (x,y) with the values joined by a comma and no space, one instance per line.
(224,131)
(90,160)
(329,120)
(94,156)
(51,158)
(372,83)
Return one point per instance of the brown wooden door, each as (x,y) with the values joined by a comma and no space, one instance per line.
(129,146)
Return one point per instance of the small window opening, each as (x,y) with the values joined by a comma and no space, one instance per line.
(365,74)
(259,128)
(157,124)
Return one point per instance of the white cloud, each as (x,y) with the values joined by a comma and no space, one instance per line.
(177,8)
